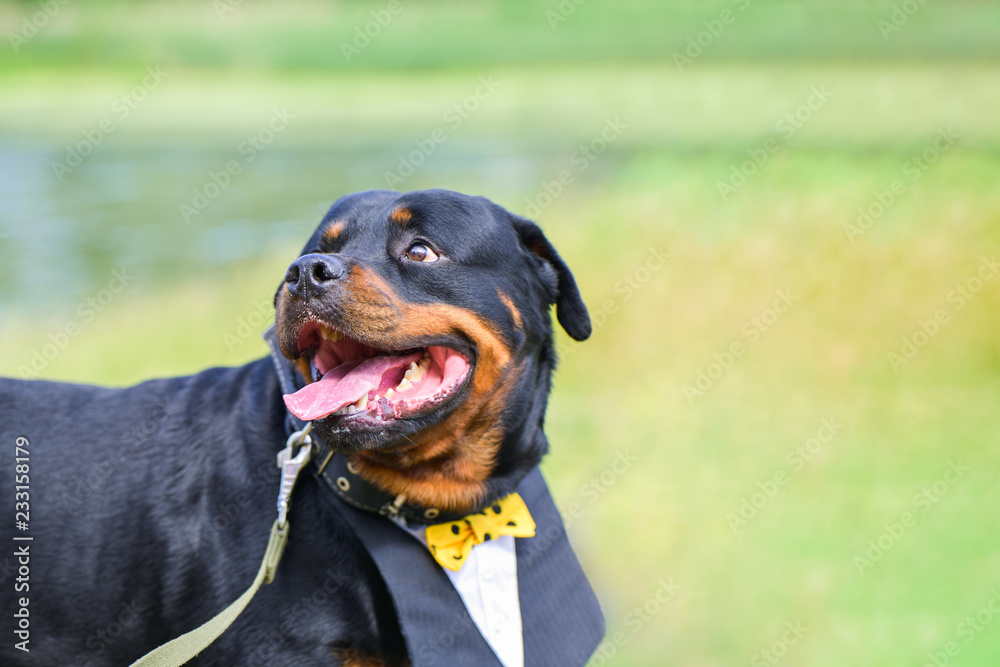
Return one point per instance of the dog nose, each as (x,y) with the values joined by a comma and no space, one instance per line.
(311,274)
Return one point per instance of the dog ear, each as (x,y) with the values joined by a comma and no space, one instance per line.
(570,309)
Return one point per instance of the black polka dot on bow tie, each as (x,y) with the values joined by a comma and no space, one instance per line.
(496,509)
(458,557)
(487,537)
(511,523)
(454,529)
(434,548)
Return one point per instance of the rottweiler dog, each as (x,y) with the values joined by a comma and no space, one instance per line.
(415,337)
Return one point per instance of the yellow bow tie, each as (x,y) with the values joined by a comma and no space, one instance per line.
(450,543)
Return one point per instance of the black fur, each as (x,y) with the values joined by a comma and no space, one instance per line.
(151,505)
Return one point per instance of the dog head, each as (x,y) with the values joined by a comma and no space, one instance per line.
(420,325)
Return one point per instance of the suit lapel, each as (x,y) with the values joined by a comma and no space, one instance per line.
(560,616)
(435,624)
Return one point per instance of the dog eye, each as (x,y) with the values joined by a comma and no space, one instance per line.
(419,252)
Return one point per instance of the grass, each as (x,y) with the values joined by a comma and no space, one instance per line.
(622,394)
(309,36)
(723,107)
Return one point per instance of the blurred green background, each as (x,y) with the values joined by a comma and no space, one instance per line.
(779,446)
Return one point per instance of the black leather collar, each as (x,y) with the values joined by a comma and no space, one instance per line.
(354,490)
(336,472)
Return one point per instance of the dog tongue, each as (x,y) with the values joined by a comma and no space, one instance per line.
(344,385)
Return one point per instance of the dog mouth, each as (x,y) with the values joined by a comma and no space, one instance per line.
(352,380)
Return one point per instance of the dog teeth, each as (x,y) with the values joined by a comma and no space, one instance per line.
(414,372)
(389,392)
(330,334)
(362,403)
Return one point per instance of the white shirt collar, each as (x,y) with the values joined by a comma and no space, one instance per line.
(487,584)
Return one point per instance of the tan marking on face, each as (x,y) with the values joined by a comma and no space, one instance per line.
(355,657)
(401,215)
(305,370)
(281,305)
(447,465)
(284,329)
(332,232)
(514,312)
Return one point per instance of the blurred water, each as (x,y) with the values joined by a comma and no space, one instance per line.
(60,240)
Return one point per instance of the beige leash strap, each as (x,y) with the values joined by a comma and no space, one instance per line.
(179,651)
